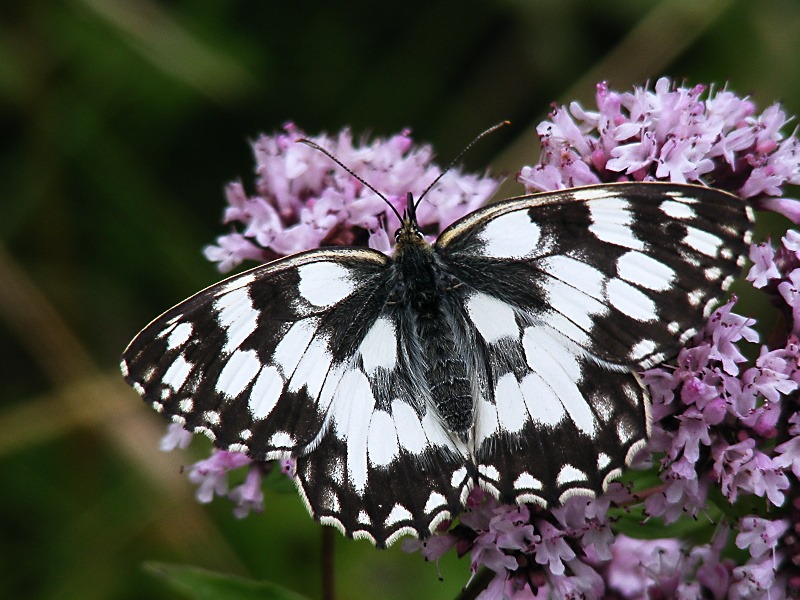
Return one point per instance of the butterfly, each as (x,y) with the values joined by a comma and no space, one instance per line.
(504,355)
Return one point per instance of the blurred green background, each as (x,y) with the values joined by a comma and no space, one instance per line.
(121,122)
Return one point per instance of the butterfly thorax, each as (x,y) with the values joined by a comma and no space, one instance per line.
(422,290)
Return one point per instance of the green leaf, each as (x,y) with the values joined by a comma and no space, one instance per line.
(202,584)
(631,523)
(278,482)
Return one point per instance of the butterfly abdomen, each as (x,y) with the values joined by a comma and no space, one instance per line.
(424,293)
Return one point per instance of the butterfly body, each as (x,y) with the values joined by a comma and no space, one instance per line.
(503,355)
(426,313)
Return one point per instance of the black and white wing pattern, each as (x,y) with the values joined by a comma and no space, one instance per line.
(292,359)
(503,356)
(569,295)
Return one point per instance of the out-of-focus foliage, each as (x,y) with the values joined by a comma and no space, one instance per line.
(121,122)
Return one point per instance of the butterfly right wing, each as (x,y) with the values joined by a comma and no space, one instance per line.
(296,359)
(566,295)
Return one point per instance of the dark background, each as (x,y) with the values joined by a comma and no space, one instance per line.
(120,123)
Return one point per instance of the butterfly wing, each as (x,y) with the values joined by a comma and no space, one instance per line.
(296,359)
(569,294)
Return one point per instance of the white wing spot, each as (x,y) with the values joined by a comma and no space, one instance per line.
(379,347)
(138,388)
(567,328)
(293,345)
(324,283)
(397,514)
(611,222)
(489,472)
(625,430)
(576,306)
(238,372)
(265,393)
(594,193)
(179,336)
(485,420)
(603,460)
(237,316)
(696,297)
(568,474)
(526,481)
(211,417)
(382,440)
(703,241)
(493,318)
(709,306)
(713,273)
(552,359)
(331,500)
(410,434)
(457,479)
(363,518)
(281,439)
(641,349)
(645,271)
(123,366)
(677,210)
(511,411)
(186,405)
(687,334)
(312,368)
(631,301)
(236,283)
(336,471)
(542,401)
(351,409)
(177,373)
(512,235)
(726,283)
(435,500)
(585,278)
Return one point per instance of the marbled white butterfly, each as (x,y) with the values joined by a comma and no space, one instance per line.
(504,355)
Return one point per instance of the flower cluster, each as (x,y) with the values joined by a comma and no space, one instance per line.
(303,200)
(670,134)
(726,431)
(718,435)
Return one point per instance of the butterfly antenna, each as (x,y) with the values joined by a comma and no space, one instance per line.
(316,146)
(479,137)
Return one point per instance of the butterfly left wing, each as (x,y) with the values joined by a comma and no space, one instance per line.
(295,359)
(570,293)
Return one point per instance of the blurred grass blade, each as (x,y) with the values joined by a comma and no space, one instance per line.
(202,584)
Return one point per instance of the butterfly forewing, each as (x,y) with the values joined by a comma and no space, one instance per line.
(544,306)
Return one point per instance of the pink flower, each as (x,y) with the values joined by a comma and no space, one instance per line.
(303,200)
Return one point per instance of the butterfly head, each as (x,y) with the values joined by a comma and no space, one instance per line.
(409,233)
